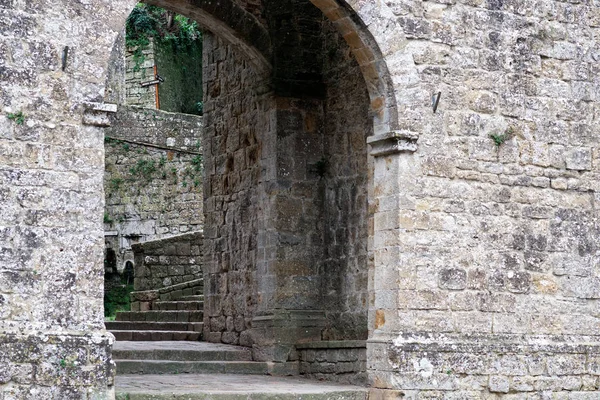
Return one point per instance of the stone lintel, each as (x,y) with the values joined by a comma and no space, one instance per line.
(393,142)
(97,114)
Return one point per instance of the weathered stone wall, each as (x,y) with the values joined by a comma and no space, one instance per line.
(52,342)
(180,65)
(485,252)
(140,69)
(346,174)
(238,121)
(168,261)
(116,87)
(484,255)
(153,177)
(338,361)
(313,231)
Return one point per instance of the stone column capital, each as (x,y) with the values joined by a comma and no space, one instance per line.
(393,142)
(97,114)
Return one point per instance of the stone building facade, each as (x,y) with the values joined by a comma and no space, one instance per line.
(422,174)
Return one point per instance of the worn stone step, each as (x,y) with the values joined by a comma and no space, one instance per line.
(178,305)
(153,326)
(153,336)
(191,367)
(160,316)
(198,297)
(230,387)
(180,351)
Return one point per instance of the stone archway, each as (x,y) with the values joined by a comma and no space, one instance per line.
(280,287)
(370,59)
(71,50)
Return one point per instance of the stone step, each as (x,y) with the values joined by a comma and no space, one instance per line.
(153,336)
(178,305)
(153,326)
(160,316)
(199,297)
(180,351)
(231,387)
(191,367)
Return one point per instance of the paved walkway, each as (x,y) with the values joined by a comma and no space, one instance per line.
(217,386)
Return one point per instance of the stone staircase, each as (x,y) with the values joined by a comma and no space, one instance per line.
(185,358)
(171,313)
(159,355)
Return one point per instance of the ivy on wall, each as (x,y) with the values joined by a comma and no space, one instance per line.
(178,54)
(147,22)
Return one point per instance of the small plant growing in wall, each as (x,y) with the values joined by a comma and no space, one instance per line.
(115,183)
(501,138)
(321,167)
(18,117)
(143,168)
(107,219)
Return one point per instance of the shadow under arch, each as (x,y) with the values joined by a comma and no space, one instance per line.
(229,21)
(370,59)
(239,27)
(246,33)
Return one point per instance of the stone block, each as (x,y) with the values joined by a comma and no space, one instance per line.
(499,384)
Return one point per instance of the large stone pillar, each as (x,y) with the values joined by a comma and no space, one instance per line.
(53,56)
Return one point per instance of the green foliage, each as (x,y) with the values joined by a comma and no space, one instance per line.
(115,183)
(200,107)
(197,163)
(117,299)
(147,22)
(501,138)
(18,117)
(193,171)
(107,219)
(144,168)
(321,167)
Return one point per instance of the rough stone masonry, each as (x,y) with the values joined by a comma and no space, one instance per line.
(475,224)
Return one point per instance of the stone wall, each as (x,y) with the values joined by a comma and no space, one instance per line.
(239,121)
(484,280)
(311,223)
(485,236)
(140,68)
(153,177)
(339,361)
(346,173)
(169,261)
(180,65)
(52,342)
(116,87)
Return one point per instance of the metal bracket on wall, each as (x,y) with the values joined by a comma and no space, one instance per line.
(435,101)
(157,81)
